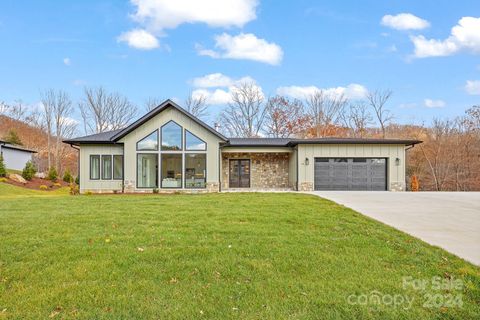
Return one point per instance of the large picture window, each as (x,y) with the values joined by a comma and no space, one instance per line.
(171,170)
(106,167)
(117,167)
(192,142)
(171,136)
(195,170)
(94,167)
(147,170)
(149,143)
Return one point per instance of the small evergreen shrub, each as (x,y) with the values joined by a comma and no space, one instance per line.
(67,176)
(3,170)
(3,179)
(52,174)
(155,190)
(29,171)
(56,184)
(77,180)
(43,187)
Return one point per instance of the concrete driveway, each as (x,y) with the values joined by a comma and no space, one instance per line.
(450,220)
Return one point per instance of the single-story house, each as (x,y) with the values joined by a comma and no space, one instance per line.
(14,156)
(169,149)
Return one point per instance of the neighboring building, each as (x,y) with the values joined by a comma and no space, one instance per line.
(15,157)
(170,150)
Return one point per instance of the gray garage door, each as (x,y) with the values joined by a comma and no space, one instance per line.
(350,174)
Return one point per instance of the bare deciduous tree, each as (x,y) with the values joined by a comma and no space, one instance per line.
(245,115)
(102,111)
(357,119)
(64,126)
(377,100)
(48,102)
(285,118)
(4,108)
(325,110)
(152,102)
(196,105)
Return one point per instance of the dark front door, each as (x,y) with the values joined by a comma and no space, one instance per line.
(239,173)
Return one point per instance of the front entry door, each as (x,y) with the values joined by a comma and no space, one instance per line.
(239,173)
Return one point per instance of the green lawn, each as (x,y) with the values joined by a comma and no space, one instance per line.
(216,256)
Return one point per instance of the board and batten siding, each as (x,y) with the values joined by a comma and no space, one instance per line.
(395,173)
(97,185)
(155,123)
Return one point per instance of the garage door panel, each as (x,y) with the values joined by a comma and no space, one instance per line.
(350,174)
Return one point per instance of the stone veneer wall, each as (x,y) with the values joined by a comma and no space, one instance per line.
(268,170)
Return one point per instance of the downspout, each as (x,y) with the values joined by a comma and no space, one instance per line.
(296,151)
(78,162)
(220,167)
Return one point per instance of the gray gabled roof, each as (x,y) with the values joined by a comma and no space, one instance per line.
(290,142)
(258,142)
(7,145)
(103,137)
(115,135)
(166,104)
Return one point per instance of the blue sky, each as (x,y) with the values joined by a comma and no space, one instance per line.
(166,49)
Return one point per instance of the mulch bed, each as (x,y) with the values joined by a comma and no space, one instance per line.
(35,184)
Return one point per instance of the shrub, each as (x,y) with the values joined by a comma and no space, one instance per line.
(3,179)
(88,193)
(3,170)
(74,189)
(56,184)
(12,138)
(43,187)
(155,190)
(29,171)
(67,176)
(52,174)
(77,180)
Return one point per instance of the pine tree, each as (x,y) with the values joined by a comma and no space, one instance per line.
(13,138)
(3,170)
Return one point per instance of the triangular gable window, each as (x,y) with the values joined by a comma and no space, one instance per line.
(149,143)
(194,143)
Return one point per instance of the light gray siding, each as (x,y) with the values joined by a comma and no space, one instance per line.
(395,173)
(130,142)
(15,159)
(97,185)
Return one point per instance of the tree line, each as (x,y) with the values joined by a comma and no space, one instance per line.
(448,158)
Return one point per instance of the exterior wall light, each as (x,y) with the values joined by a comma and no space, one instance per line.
(397,161)
(307,162)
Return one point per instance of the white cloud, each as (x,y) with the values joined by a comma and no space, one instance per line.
(352,91)
(429,103)
(217,88)
(159,15)
(216,80)
(139,39)
(212,80)
(473,87)
(67,61)
(217,96)
(244,46)
(404,21)
(465,36)
(156,16)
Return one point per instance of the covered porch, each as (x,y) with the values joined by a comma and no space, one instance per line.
(257,169)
